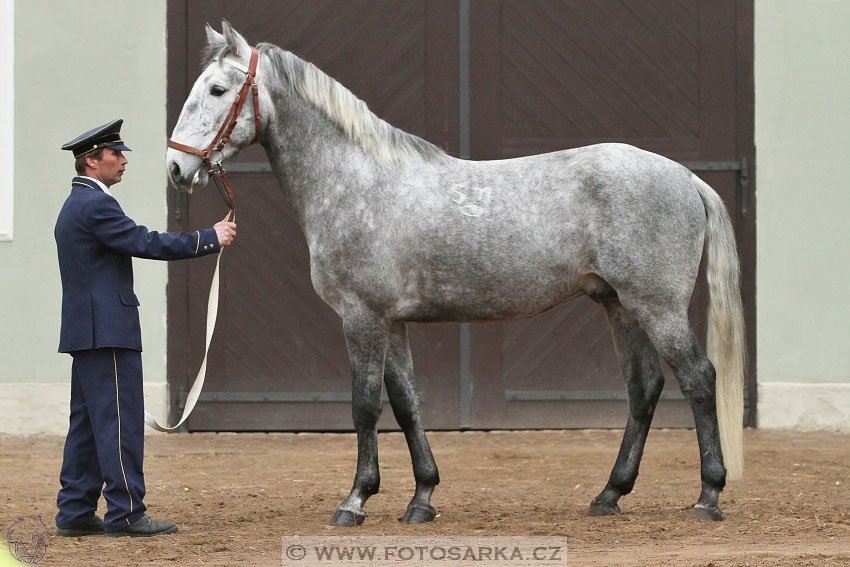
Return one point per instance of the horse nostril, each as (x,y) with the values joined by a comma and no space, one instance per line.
(175,170)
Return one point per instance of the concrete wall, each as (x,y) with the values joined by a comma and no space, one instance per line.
(77,65)
(802,81)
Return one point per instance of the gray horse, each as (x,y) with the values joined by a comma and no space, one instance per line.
(399,231)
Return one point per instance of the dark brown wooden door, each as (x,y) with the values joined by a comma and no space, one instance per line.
(278,359)
(485,80)
(661,75)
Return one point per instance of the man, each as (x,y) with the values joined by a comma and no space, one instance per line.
(100,329)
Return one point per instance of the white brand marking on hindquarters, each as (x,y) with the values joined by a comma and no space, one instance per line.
(473,201)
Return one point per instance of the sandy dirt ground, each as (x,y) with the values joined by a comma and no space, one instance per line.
(236,496)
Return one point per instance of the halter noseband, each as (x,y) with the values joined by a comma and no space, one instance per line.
(213,154)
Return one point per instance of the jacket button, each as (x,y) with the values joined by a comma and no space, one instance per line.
(205,247)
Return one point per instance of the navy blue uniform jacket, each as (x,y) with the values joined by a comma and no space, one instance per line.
(96,241)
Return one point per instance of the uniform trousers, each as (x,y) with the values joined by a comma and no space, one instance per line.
(104,449)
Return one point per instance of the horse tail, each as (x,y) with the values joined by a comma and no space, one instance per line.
(726,342)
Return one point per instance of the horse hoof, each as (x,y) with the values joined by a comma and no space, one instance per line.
(712,513)
(603,509)
(419,514)
(347,518)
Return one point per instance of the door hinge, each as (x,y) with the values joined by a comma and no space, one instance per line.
(743,169)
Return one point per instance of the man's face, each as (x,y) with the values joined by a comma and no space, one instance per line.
(109,168)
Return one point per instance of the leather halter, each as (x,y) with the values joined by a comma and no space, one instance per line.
(213,154)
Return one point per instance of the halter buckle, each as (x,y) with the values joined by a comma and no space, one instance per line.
(215,159)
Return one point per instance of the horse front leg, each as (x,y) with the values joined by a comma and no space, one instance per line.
(366,337)
(401,390)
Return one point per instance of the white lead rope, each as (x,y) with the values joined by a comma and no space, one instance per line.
(195,391)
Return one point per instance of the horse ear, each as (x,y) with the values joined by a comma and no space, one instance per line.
(213,37)
(238,45)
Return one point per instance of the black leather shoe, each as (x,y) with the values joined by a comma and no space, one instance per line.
(92,526)
(145,527)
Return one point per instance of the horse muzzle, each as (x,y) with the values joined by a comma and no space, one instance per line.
(186,172)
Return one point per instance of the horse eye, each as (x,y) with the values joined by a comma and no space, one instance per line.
(217,90)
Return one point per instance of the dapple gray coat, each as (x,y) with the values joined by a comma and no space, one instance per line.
(399,231)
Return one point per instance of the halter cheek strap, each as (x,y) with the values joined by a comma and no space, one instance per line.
(223,135)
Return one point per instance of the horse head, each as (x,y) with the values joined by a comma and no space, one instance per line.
(220,94)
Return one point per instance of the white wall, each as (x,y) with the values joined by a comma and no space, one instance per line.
(77,65)
(7,120)
(802,131)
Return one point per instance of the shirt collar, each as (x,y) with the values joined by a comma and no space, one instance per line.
(101,185)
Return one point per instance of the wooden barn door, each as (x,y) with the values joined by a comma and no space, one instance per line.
(667,76)
(278,359)
(485,80)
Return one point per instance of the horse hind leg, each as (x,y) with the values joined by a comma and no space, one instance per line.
(672,335)
(366,338)
(401,390)
(644,381)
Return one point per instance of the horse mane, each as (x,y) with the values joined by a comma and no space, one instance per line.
(378,138)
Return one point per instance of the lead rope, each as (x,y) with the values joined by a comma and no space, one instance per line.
(219,175)
(212,313)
